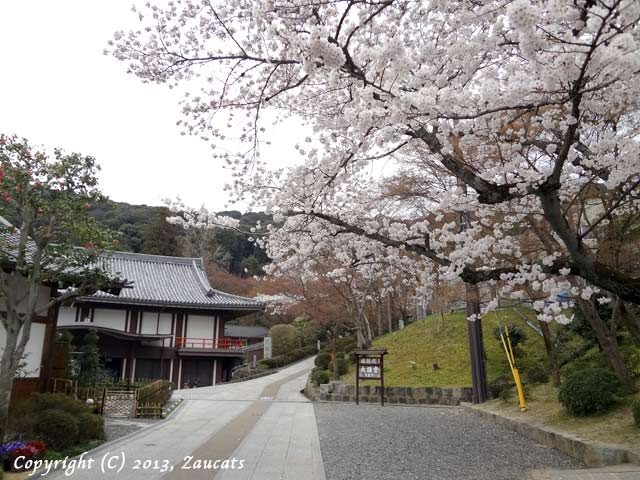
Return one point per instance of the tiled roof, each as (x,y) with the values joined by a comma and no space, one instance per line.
(167,281)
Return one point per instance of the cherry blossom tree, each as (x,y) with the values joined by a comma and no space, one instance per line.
(501,111)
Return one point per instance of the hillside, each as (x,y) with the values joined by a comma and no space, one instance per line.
(143,229)
(432,341)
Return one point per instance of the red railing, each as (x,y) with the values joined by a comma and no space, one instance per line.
(213,343)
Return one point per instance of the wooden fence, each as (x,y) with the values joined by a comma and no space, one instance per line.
(119,399)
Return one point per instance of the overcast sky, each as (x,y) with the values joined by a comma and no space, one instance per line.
(58,90)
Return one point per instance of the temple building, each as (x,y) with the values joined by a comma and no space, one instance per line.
(170,324)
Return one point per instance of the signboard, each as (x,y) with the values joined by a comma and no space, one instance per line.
(369,366)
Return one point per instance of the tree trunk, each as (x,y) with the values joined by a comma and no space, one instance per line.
(389,314)
(631,319)
(476,345)
(608,342)
(8,367)
(552,352)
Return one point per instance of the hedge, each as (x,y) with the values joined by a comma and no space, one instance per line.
(287,358)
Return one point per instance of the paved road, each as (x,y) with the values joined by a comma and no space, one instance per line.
(369,442)
(271,430)
(265,423)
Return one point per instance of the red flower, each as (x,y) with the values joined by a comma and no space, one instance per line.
(88,245)
(39,446)
(6,196)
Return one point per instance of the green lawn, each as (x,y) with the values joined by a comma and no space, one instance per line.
(446,343)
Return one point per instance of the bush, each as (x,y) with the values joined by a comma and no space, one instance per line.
(57,401)
(516,336)
(322,360)
(497,386)
(91,427)
(25,414)
(589,391)
(635,408)
(342,365)
(506,394)
(340,355)
(536,374)
(56,428)
(287,358)
(319,376)
(284,339)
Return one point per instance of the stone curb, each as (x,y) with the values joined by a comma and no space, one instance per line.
(592,454)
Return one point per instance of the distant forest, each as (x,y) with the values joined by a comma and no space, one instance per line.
(144,229)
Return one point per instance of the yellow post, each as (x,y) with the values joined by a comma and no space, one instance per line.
(514,369)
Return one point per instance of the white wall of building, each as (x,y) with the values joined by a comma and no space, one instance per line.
(164,325)
(149,325)
(108,318)
(33,350)
(199,326)
(67,316)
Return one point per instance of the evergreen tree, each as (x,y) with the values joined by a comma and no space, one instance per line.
(89,362)
(161,237)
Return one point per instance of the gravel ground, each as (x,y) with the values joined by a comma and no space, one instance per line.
(115,428)
(369,442)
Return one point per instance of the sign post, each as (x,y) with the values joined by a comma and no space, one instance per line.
(369,366)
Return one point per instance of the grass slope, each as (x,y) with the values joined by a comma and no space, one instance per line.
(543,407)
(446,343)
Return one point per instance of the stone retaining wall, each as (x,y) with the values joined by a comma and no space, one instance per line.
(342,392)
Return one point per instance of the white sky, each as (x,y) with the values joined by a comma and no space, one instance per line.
(57,89)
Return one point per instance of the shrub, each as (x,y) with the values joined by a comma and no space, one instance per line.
(91,427)
(340,355)
(322,360)
(635,408)
(25,413)
(284,339)
(497,386)
(516,336)
(342,365)
(287,358)
(506,394)
(589,391)
(56,428)
(319,376)
(536,374)
(57,401)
